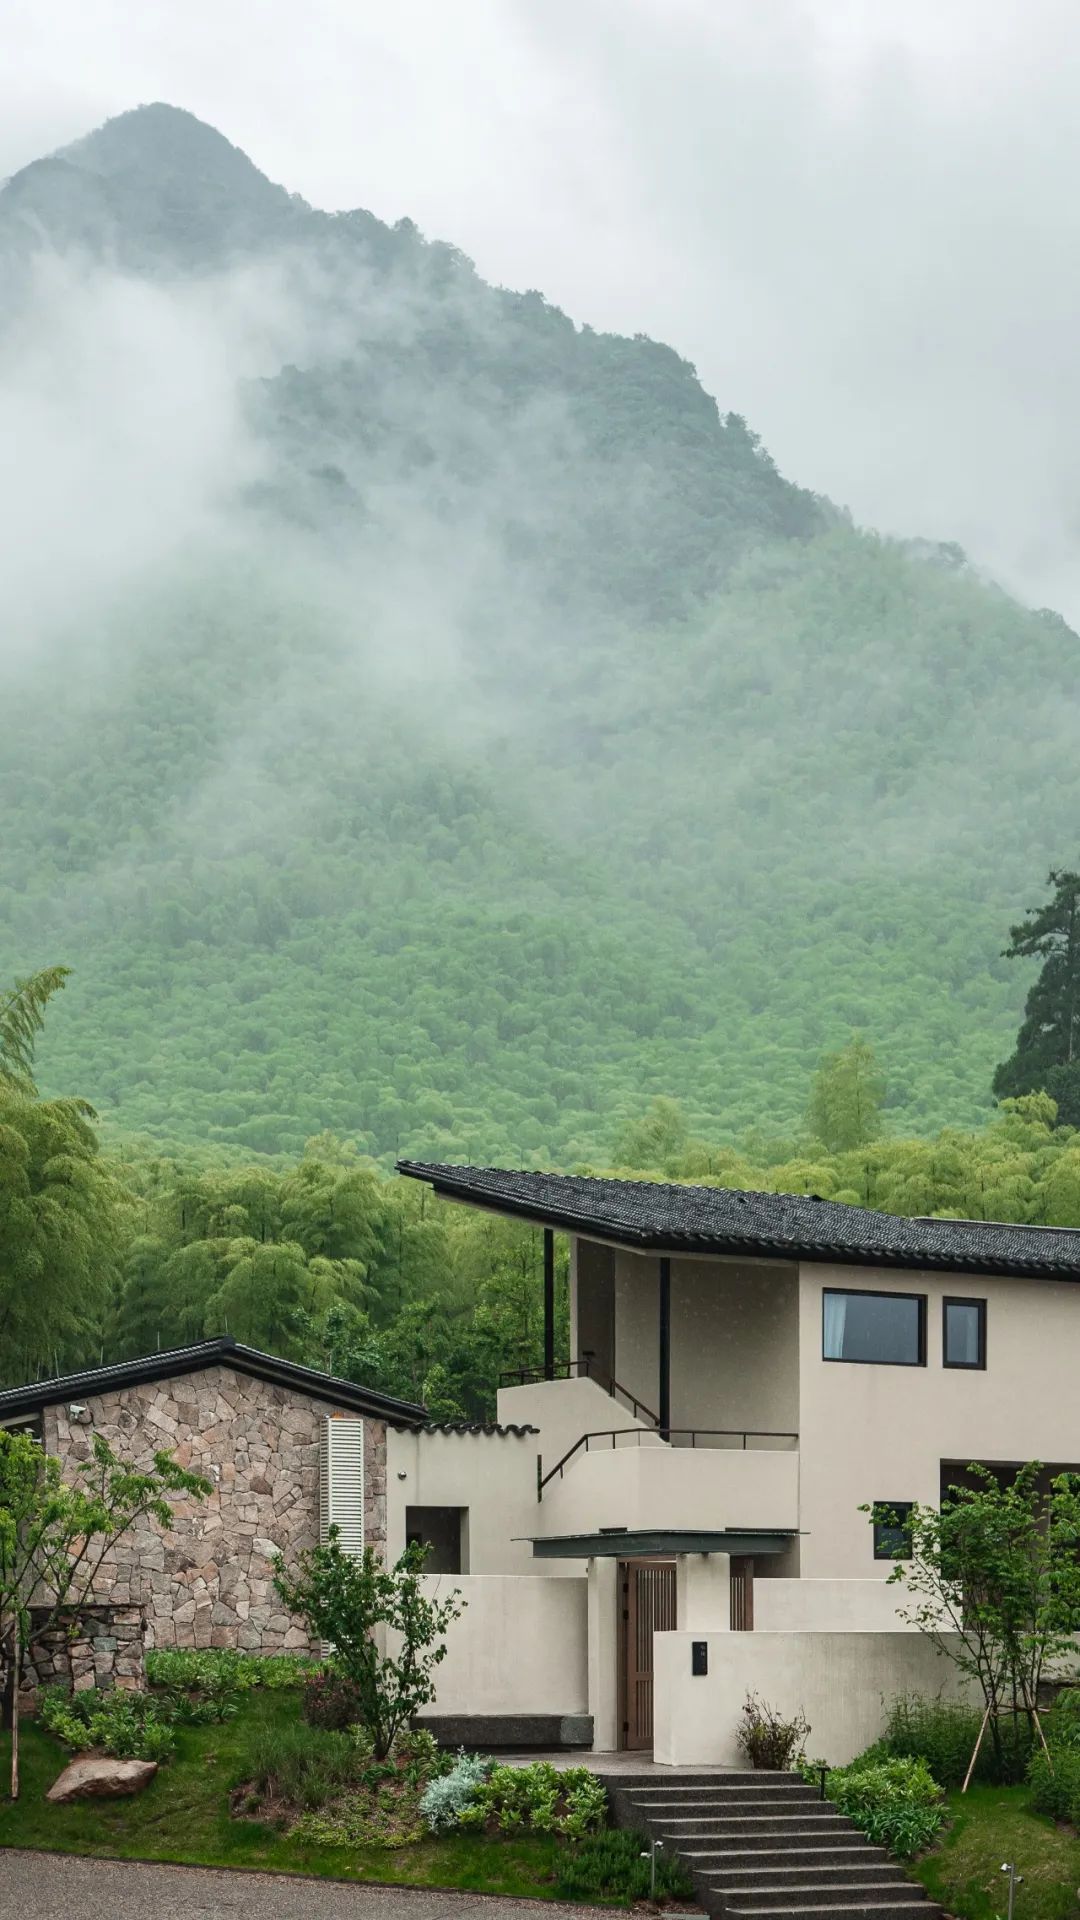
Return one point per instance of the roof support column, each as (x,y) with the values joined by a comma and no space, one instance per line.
(664,1348)
(549,1304)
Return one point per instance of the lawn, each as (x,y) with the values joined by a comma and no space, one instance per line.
(184,1816)
(992,1824)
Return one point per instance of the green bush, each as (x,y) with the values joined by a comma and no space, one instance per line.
(1055,1783)
(539,1799)
(896,1803)
(768,1740)
(615,1866)
(133,1726)
(201,1669)
(944,1732)
(1062,1724)
(331,1699)
(446,1798)
(304,1766)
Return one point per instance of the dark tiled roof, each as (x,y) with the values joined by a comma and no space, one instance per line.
(785,1226)
(211,1353)
(480,1426)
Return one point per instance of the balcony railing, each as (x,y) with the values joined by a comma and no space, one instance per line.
(581,1370)
(680,1436)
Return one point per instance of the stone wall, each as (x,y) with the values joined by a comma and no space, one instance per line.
(208,1581)
(89,1647)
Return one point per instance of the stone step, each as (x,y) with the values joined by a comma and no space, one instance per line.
(850,1907)
(849,1849)
(710,1809)
(720,1797)
(763,1875)
(877,1892)
(749,1783)
(771,1823)
(816,1813)
(674,1782)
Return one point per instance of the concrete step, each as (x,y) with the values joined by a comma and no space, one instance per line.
(682,1826)
(850,1907)
(890,1893)
(708,1809)
(674,1782)
(704,1789)
(767,1823)
(722,1797)
(848,1849)
(762,1876)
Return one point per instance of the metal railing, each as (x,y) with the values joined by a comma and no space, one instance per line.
(684,1436)
(580,1370)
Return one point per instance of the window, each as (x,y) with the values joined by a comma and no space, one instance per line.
(887,1328)
(963,1332)
(890,1523)
(445,1532)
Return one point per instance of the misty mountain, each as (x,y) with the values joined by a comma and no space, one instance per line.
(430,718)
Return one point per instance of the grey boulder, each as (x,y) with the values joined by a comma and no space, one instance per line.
(100,1776)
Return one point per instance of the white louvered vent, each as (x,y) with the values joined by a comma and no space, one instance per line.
(341,1483)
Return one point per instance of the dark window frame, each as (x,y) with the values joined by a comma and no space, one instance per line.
(875,1293)
(963,1300)
(902,1510)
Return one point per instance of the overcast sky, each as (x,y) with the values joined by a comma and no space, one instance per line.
(859,218)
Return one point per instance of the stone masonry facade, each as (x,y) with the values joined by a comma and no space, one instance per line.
(89,1647)
(208,1581)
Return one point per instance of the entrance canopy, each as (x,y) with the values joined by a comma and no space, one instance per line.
(645,1543)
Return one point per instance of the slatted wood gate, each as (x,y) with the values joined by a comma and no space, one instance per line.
(742,1593)
(647,1606)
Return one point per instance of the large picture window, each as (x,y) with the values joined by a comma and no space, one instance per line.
(963,1327)
(887,1329)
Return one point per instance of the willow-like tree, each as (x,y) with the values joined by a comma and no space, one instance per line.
(1047,1053)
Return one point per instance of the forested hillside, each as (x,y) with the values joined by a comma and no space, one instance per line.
(428,719)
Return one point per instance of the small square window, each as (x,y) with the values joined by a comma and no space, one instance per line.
(890,1529)
(963,1333)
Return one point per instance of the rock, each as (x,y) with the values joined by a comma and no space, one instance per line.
(100,1776)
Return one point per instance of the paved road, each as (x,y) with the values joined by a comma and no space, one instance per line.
(53,1886)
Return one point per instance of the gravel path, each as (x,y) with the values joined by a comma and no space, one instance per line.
(51,1886)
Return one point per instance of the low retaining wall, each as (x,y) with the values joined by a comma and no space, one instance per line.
(96,1646)
(840,1681)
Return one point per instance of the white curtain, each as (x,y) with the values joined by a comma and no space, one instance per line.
(835,1322)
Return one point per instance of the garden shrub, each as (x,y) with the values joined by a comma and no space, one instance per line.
(896,1803)
(944,1732)
(199,1669)
(331,1699)
(536,1799)
(1062,1724)
(615,1866)
(133,1726)
(445,1799)
(305,1766)
(769,1741)
(1055,1783)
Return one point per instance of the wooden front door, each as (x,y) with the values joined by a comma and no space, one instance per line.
(646,1606)
(742,1593)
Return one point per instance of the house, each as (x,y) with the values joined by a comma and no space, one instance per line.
(669,1519)
(747,1372)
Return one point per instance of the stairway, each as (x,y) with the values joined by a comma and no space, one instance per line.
(767,1845)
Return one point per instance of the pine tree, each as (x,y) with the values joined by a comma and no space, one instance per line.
(1047,1053)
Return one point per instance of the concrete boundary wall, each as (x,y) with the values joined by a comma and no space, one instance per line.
(828,1606)
(840,1681)
(520,1647)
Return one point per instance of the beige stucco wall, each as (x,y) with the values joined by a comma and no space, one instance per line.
(839,1680)
(520,1646)
(827,1606)
(734,1341)
(651,1485)
(208,1581)
(880,1432)
(492,1475)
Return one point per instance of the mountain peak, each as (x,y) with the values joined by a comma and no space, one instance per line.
(153,187)
(168,141)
